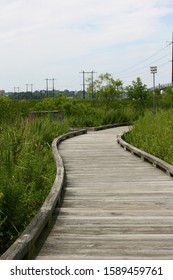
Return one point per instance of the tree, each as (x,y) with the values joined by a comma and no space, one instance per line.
(138,92)
(105,88)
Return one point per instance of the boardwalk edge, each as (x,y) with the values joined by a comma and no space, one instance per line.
(24,246)
(155,161)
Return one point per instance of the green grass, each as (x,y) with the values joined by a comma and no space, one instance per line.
(27,172)
(27,169)
(153,133)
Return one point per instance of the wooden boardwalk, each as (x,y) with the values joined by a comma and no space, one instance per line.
(115,205)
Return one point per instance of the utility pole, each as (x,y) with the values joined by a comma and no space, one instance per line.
(53,86)
(31,89)
(172,59)
(17,91)
(153,70)
(92,81)
(171,43)
(83,73)
(26,88)
(47,86)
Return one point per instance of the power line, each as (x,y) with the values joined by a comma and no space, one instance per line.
(142,61)
(69,82)
(127,77)
(147,65)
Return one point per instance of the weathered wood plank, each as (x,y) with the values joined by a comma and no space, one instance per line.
(115,205)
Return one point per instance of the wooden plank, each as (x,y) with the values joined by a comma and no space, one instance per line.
(115,205)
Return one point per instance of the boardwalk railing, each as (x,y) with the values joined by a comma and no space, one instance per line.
(23,247)
(97,128)
(168,168)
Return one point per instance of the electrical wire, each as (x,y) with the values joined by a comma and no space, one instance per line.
(146,66)
(142,61)
(128,77)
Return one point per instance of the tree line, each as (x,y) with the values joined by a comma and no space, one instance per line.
(106,89)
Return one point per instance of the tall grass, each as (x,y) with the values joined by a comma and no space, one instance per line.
(153,133)
(27,169)
(27,172)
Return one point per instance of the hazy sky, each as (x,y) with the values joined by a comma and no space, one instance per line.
(57,39)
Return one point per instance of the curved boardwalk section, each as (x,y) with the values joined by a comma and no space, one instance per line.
(115,205)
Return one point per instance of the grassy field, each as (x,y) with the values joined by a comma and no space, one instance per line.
(27,169)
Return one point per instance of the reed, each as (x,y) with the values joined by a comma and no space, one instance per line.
(153,133)
(27,172)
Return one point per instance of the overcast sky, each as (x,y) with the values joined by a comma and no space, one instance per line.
(58,39)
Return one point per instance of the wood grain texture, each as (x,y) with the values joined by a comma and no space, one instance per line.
(115,206)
